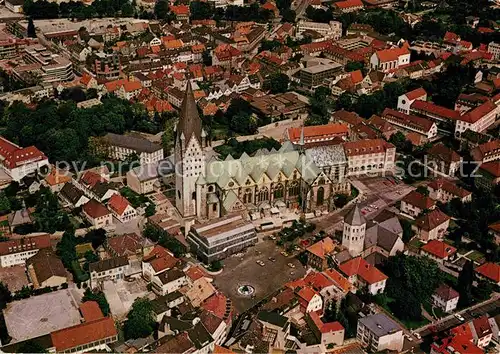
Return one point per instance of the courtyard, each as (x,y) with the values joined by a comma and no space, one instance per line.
(242,269)
(122,294)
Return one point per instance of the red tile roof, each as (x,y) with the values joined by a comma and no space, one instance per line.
(56,177)
(322,248)
(129,86)
(196,272)
(318,131)
(358,266)
(490,270)
(444,153)
(439,249)
(349,4)
(339,280)
(449,187)
(435,109)
(492,168)
(91,178)
(431,220)
(118,203)
(446,292)
(84,333)
(125,244)
(14,156)
(91,311)
(417,93)
(318,281)
(356,77)
(477,113)
(482,326)
(216,304)
(180,9)
(451,37)
(419,200)
(307,293)
(362,147)
(392,54)
(325,327)
(94,209)
(24,244)
(408,119)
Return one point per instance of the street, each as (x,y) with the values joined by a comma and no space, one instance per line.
(492,307)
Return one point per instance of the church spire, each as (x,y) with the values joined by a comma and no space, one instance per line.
(189,119)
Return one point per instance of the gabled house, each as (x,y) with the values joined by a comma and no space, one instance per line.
(309,299)
(108,269)
(168,281)
(432,225)
(97,214)
(438,251)
(446,298)
(157,261)
(121,208)
(489,271)
(363,274)
(444,159)
(45,269)
(318,252)
(72,197)
(415,203)
(326,333)
(445,190)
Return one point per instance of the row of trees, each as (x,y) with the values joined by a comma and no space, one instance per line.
(73,9)
(62,131)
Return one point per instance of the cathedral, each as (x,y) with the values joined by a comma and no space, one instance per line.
(208,187)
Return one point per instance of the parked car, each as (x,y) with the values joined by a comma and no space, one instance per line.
(459,317)
(259,262)
(291,265)
(272,259)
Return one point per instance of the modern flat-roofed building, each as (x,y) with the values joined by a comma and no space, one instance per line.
(379,332)
(317,70)
(222,237)
(333,29)
(122,146)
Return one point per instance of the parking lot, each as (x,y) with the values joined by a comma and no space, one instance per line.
(244,270)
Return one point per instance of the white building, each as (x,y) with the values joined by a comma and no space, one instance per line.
(389,59)
(120,147)
(97,214)
(446,298)
(353,237)
(405,100)
(494,48)
(369,156)
(108,269)
(333,29)
(19,162)
(17,251)
(121,208)
(379,332)
(478,119)
(169,281)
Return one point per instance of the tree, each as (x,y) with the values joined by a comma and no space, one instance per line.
(31,346)
(354,65)
(98,297)
(161,9)
(140,321)
(150,210)
(97,237)
(423,190)
(31,28)
(5,206)
(5,295)
(277,83)
(464,285)
(408,232)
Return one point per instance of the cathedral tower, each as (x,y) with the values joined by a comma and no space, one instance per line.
(353,237)
(190,139)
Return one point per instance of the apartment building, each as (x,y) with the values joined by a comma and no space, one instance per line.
(222,237)
(369,156)
(478,119)
(19,162)
(379,332)
(51,67)
(14,48)
(120,147)
(108,269)
(494,48)
(332,30)
(107,66)
(317,70)
(17,251)
(411,123)
(487,152)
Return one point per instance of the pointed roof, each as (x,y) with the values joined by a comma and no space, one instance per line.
(354,217)
(189,120)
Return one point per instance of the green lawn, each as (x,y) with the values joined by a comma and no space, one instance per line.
(415,324)
(135,199)
(475,256)
(416,243)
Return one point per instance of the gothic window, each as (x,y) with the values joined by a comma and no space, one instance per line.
(294,189)
(278,191)
(263,195)
(320,197)
(211,188)
(179,194)
(214,207)
(193,195)
(294,174)
(321,181)
(247,197)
